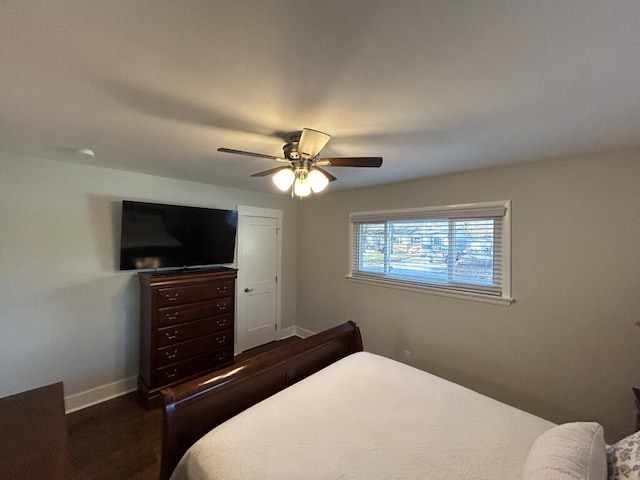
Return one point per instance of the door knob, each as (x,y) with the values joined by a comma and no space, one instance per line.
(247,290)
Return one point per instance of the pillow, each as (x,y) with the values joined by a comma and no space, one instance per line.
(571,451)
(623,458)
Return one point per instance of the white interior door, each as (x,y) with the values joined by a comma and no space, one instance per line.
(258,267)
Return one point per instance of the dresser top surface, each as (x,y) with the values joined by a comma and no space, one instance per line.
(187,276)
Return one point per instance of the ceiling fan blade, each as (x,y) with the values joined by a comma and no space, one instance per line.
(326,174)
(350,162)
(269,172)
(311,142)
(251,154)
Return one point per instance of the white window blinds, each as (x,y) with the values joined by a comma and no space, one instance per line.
(456,249)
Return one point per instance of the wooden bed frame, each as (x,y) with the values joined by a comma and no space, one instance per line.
(195,407)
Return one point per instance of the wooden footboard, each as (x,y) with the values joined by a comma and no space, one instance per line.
(193,408)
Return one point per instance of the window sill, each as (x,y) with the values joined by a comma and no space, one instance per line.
(474,297)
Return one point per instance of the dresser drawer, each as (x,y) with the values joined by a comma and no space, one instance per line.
(193,366)
(182,351)
(185,331)
(193,293)
(194,311)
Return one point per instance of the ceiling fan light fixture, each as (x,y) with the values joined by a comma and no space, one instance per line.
(317,180)
(284,179)
(303,174)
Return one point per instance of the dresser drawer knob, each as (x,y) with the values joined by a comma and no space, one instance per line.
(221,322)
(222,289)
(171,355)
(171,374)
(172,316)
(221,339)
(221,356)
(171,297)
(171,336)
(222,307)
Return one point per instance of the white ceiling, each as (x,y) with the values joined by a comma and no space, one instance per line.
(157,86)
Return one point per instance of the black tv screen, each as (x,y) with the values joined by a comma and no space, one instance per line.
(154,235)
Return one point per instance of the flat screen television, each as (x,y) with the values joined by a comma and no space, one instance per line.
(155,235)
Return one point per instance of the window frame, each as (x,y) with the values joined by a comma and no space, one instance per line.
(469,210)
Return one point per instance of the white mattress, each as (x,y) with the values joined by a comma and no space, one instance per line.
(368,417)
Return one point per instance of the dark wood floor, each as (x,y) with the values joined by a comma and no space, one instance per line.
(120,439)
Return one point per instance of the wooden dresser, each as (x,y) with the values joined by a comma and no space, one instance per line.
(186,327)
(33,444)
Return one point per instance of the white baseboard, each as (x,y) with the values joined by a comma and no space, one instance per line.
(286,333)
(303,332)
(100,394)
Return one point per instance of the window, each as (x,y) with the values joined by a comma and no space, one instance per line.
(457,250)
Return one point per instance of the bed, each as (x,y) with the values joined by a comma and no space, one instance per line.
(323,408)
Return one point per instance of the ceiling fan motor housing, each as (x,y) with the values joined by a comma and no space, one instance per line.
(291,151)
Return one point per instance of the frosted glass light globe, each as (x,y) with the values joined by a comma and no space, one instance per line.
(302,188)
(283,179)
(317,180)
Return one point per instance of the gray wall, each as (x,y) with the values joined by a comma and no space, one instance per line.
(67,313)
(568,349)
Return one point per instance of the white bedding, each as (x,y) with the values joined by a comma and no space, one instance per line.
(368,417)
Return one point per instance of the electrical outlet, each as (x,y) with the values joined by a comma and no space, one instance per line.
(407,356)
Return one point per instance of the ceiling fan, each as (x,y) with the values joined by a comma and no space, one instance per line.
(302,172)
